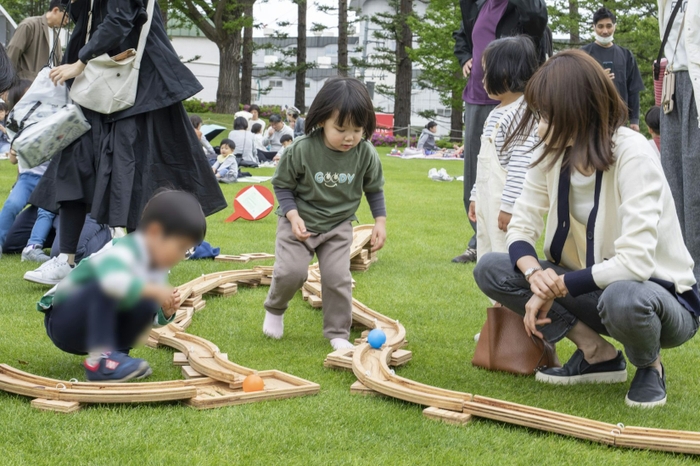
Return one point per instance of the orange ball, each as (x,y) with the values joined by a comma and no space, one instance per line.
(253,383)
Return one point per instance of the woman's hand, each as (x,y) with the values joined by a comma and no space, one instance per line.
(298,226)
(378,234)
(472,211)
(547,285)
(63,73)
(536,311)
(504,220)
(467,68)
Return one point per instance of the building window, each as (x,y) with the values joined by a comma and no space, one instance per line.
(307,85)
(276,83)
(444,112)
(331,50)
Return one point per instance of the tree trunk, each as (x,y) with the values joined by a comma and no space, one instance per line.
(247,68)
(164,7)
(343,37)
(228,93)
(456,128)
(300,85)
(575,33)
(404,70)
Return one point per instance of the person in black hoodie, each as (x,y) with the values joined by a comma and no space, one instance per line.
(484,21)
(113,170)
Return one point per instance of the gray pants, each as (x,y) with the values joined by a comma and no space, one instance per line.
(474,119)
(292,258)
(643,316)
(680,157)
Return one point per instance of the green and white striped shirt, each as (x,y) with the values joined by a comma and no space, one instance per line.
(122,268)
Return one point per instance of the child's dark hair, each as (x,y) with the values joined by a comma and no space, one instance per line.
(431,124)
(347,96)
(653,119)
(256,128)
(16,92)
(196,121)
(603,13)
(240,123)
(231,145)
(254,107)
(509,63)
(177,212)
(275,118)
(286,137)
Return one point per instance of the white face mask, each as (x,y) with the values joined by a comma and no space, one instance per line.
(604,40)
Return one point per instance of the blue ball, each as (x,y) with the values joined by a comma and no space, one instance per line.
(376,338)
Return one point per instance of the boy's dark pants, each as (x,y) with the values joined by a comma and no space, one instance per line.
(90,320)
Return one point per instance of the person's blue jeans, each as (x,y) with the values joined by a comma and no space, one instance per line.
(42,228)
(18,198)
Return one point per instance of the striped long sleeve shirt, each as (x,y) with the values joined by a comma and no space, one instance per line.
(518,155)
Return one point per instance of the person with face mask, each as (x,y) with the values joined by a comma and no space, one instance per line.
(619,62)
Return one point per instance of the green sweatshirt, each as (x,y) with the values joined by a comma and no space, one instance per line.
(122,268)
(328,185)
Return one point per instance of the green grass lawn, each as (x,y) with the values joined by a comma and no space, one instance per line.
(414,281)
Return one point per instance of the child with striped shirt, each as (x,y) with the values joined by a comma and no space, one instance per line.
(113,297)
(508,64)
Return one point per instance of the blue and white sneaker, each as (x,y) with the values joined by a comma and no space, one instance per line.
(116,367)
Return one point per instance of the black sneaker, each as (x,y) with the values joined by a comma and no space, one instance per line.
(577,370)
(468,256)
(648,388)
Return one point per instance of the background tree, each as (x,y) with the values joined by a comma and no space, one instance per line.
(300,84)
(343,37)
(434,53)
(21,9)
(221,22)
(394,39)
(247,59)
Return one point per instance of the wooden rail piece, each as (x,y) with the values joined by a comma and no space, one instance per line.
(64,407)
(449,417)
(244,258)
(361,236)
(22,383)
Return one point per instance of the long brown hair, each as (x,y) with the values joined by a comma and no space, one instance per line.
(582,106)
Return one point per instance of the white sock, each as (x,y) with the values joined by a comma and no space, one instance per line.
(341,343)
(273,326)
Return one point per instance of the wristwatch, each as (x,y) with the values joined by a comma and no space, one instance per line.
(531,271)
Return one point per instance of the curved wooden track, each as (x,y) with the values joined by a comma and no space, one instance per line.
(217,381)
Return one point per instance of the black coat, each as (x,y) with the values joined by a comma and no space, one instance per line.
(116,25)
(521,17)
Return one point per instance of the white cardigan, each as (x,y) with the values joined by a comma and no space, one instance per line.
(692,40)
(636,234)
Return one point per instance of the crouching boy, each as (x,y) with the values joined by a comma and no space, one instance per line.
(113,297)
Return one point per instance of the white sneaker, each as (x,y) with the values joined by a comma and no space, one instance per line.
(4,156)
(50,272)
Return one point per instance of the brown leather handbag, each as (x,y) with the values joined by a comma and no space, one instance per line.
(504,345)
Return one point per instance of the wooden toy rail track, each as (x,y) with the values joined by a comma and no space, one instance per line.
(213,381)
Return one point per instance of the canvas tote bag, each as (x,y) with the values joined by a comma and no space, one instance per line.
(109,84)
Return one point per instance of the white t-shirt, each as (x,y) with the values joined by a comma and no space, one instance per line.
(676,55)
(582,196)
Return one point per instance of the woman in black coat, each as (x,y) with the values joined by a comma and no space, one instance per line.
(112,170)
(484,21)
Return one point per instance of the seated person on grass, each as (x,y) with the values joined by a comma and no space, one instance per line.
(286,141)
(272,138)
(29,235)
(616,262)
(208,150)
(111,299)
(226,166)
